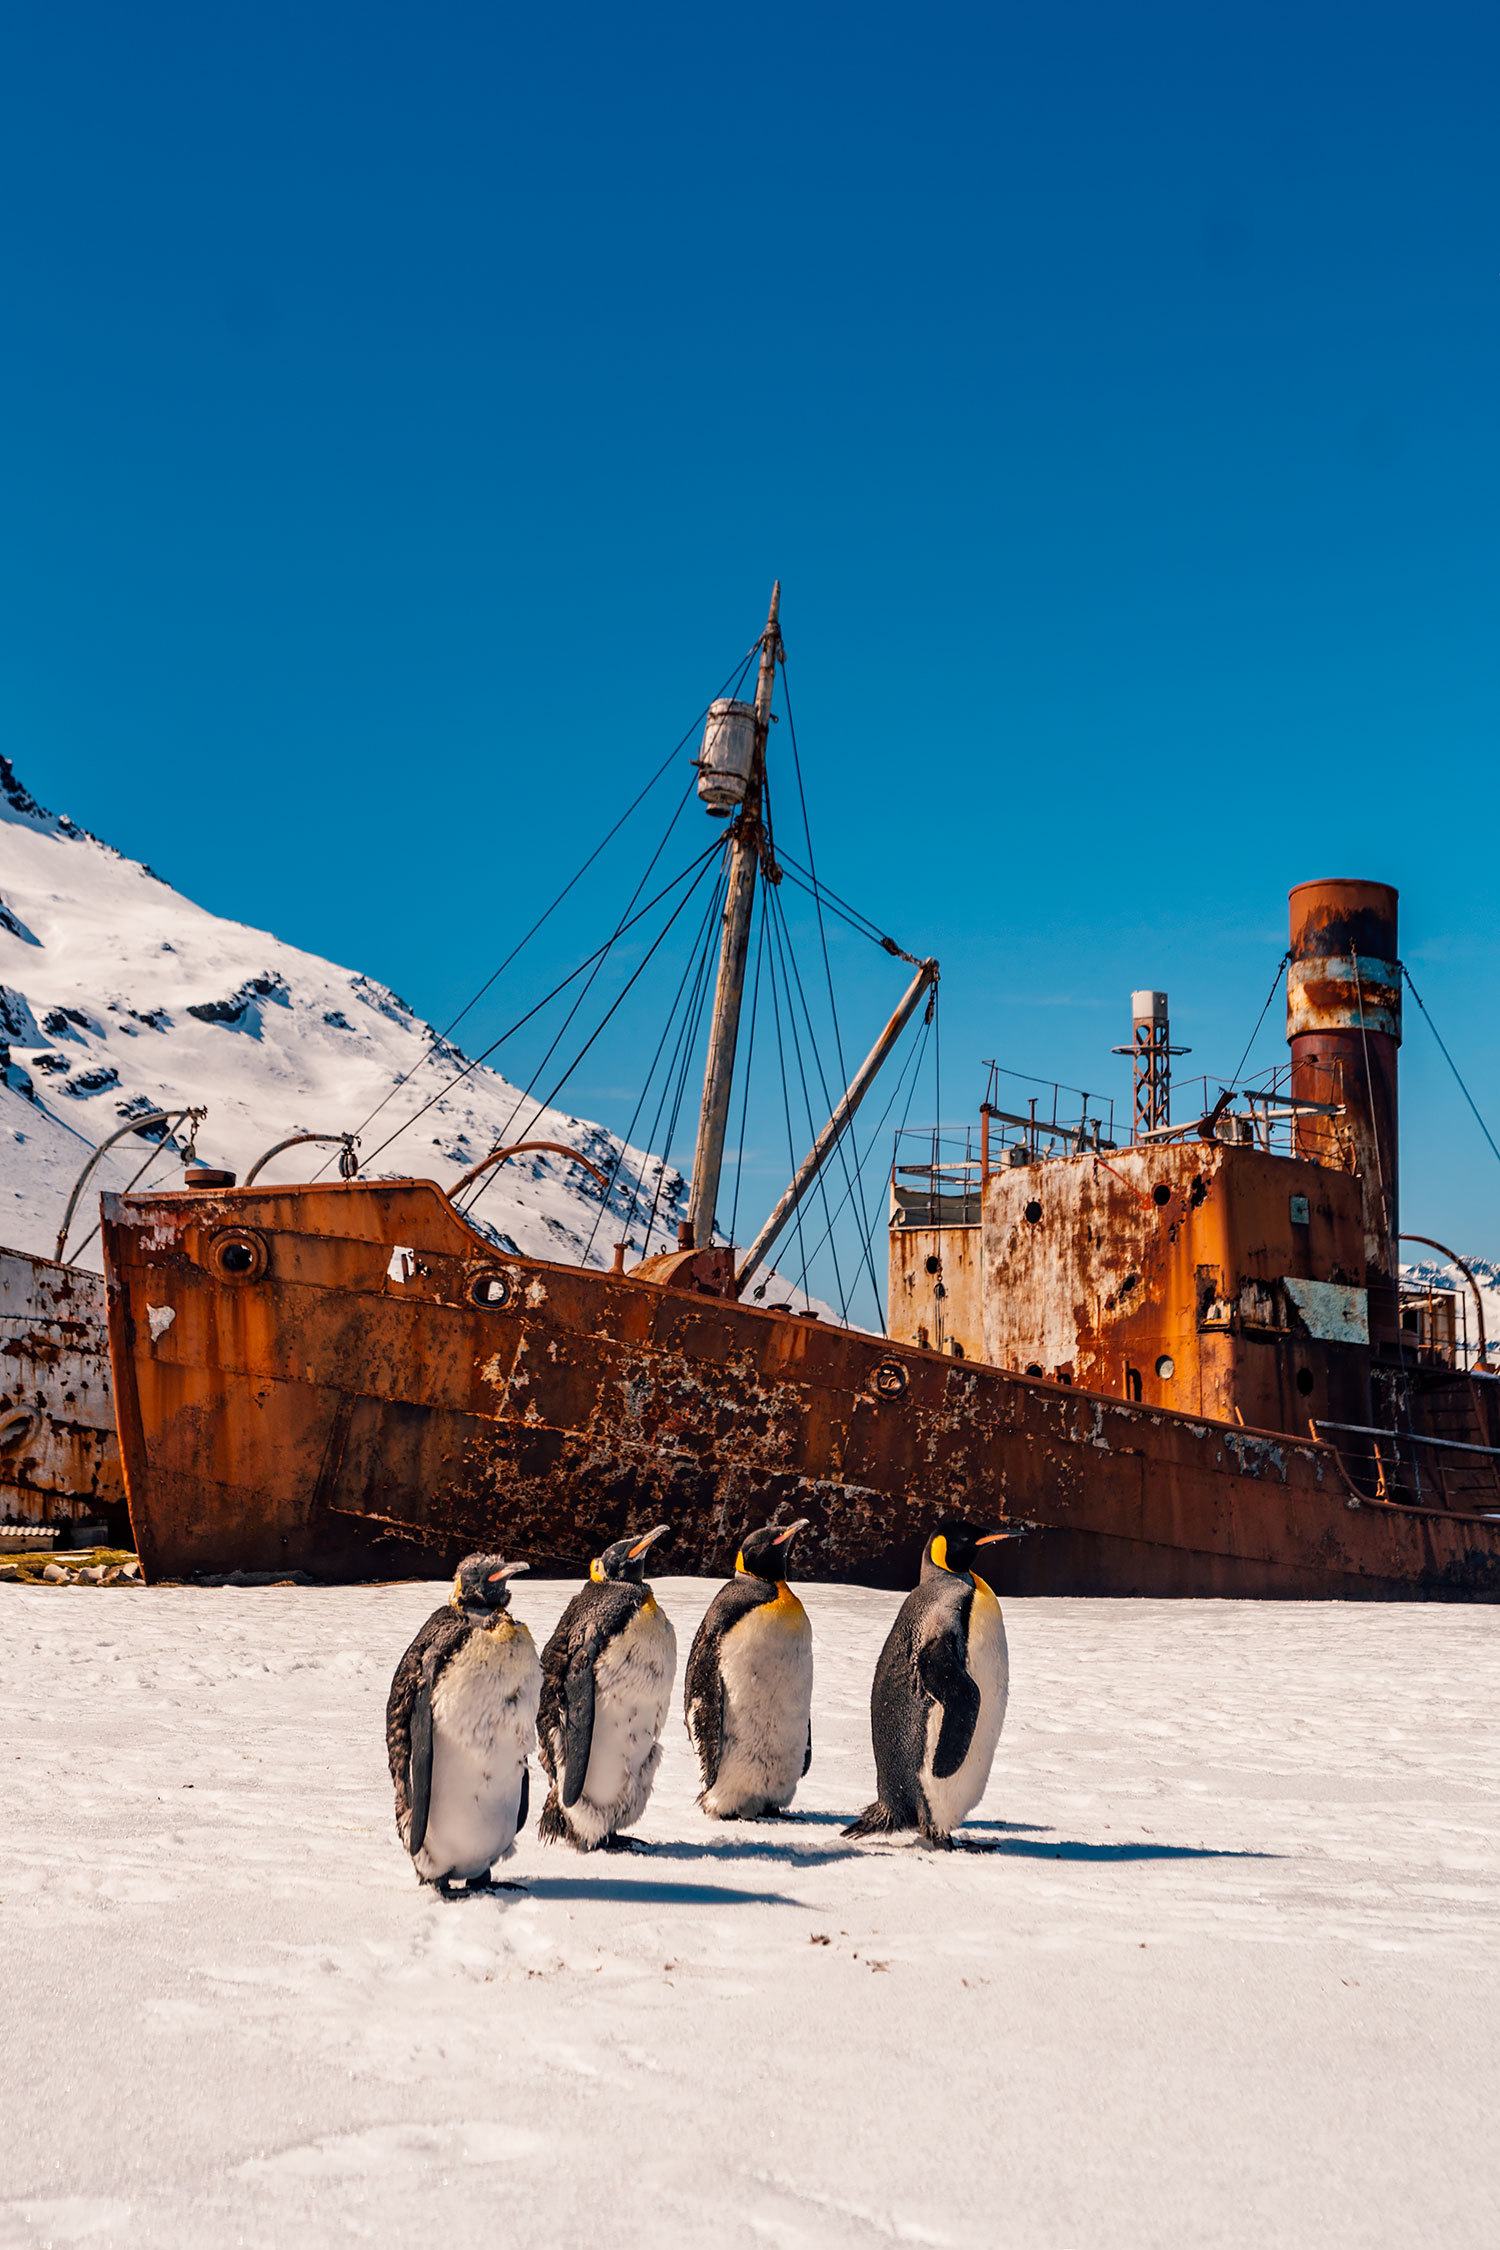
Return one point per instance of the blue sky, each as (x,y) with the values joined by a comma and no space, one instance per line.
(405,412)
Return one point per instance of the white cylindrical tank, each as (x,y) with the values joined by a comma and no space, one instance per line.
(727,756)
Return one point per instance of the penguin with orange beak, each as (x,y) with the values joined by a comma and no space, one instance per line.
(748,1699)
(607,1676)
(938,1701)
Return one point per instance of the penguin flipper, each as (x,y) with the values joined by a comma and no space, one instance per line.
(419,1767)
(945,1676)
(578,1724)
(524,1805)
(807,1761)
(703,1707)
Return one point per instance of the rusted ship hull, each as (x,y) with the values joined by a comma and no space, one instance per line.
(59,1457)
(348,1380)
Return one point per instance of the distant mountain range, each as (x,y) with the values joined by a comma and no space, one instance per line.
(119,996)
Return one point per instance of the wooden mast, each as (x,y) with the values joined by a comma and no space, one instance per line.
(745,843)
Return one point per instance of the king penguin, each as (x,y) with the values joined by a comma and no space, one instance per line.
(748,1696)
(607,1676)
(459,1723)
(938,1702)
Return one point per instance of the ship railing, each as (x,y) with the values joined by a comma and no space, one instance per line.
(1413,1468)
(1264,1113)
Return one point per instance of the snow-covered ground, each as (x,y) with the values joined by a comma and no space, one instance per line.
(1231,1974)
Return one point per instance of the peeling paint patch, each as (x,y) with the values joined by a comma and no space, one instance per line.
(159,1319)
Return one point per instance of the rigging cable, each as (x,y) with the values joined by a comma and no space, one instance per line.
(627,1140)
(907,1076)
(441,1038)
(1260,1019)
(682,1059)
(786,1103)
(693,869)
(851,1130)
(604,1020)
(783,944)
(739,1163)
(1452,1065)
(586,988)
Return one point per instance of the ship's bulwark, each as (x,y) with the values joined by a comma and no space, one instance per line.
(348,1380)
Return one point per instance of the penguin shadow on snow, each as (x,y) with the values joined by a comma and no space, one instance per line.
(1042,1845)
(652,1891)
(738,1848)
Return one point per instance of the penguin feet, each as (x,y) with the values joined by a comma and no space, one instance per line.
(936,1839)
(875,1820)
(617,1843)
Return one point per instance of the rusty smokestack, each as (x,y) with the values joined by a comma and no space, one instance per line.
(1343,1025)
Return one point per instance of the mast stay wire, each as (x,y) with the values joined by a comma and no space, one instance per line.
(1452,1065)
(472,1063)
(845,1139)
(908,1076)
(851,1132)
(731,686)
(683,1055)
(739,1164)
(691,966)
(587,986)
(786,1103)
(858,921)
(609,1013)
(781,943)
(1260,1019)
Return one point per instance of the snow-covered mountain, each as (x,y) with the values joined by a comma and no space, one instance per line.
(118,996)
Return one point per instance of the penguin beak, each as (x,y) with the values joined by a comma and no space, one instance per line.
(506,1570)
(649,1540)
(1012,1531)
(791,1531)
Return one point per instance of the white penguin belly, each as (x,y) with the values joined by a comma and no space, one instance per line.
(483,1726)
(766,1665)
(632,1691)
(951,1799)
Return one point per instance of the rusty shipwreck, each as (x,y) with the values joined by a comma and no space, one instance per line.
(1184,1351)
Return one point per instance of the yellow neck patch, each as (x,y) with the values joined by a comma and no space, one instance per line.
(983,1587)
(739,1564)
(596,1571)
(938,1549)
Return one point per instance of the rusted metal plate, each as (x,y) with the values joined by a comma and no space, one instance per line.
(355,1414)
(59,1458)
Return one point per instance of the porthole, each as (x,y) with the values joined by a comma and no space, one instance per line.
(1166,1367)
(1033,1212)
(1305,1381)
(238,1255)
(889,1379)
(934,1265)
(1161,1195)
(491,1291)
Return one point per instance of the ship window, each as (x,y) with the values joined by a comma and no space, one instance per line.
(1304,1380)
(1161,1194)
(490,1291)
(1033,1212)
(956,1348)
(238,1256)
(1166,1367)
(934,1265)
(1033,1369)
(1133,1385)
